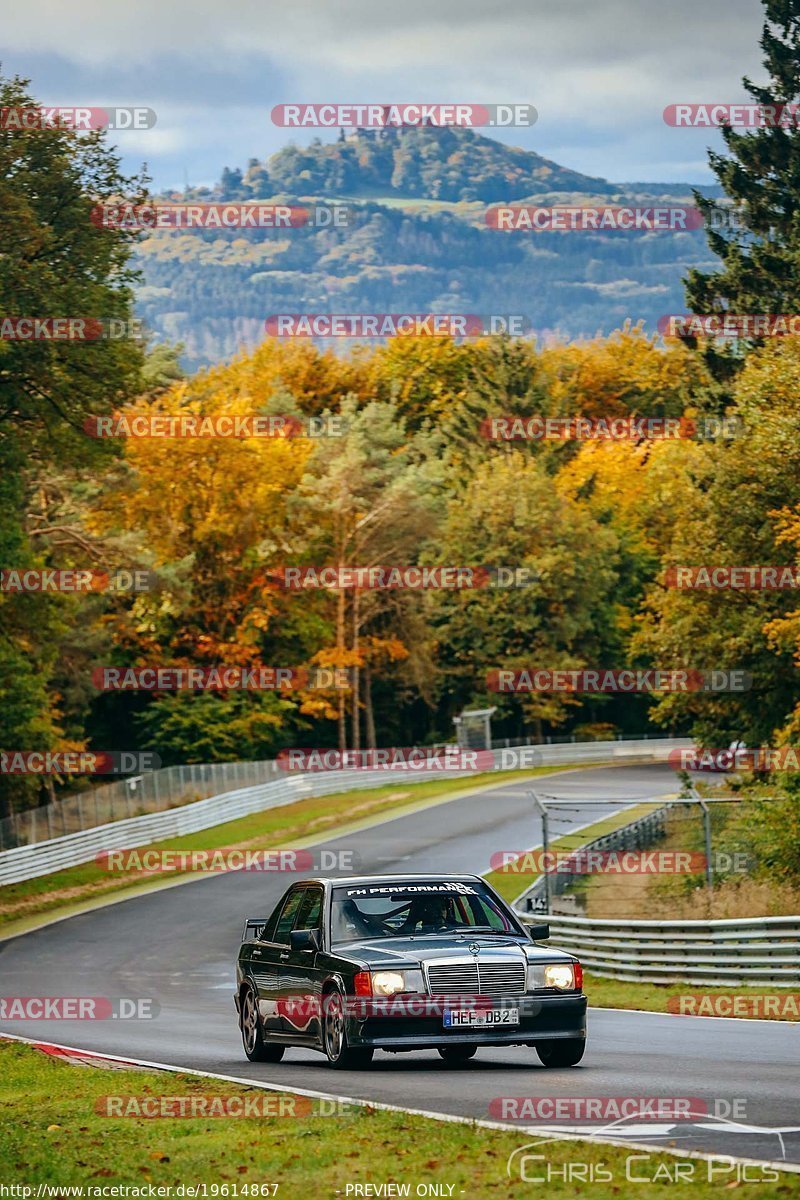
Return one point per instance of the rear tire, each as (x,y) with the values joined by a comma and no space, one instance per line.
(256,1049)
(566,1053)
(340,1056)
(457,1054)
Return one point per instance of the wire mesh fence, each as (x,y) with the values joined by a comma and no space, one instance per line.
(156,791)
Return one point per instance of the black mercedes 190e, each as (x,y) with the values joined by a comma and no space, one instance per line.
(404,962)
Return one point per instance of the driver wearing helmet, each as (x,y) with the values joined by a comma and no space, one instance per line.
(431,914)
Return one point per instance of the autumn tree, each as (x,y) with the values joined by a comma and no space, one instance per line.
(369,499)
(53,263)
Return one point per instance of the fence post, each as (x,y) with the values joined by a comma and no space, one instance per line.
(707,831)
(545,849)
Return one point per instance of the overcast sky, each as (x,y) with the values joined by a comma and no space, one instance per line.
(599,73)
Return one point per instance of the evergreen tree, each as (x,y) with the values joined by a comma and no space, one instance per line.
(760,253)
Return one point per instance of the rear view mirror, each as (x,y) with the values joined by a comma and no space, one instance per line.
(538,933)
(304,939)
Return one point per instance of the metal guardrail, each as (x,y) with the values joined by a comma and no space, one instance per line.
(171,787)
(152,792)
(32,861)
(725,953)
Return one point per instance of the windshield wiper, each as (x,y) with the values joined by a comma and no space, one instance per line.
(489,929)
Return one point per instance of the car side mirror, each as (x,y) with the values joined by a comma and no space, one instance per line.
(538,933)
(304,939)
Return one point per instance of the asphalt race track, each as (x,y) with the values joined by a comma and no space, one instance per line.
(179,946)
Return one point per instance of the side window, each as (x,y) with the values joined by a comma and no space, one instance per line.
(267,933)
(310,910)
(288,915)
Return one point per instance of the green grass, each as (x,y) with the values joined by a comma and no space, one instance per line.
(318,818)
(53,1134)
(653,997)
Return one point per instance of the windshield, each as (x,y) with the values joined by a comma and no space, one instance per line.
(411,909)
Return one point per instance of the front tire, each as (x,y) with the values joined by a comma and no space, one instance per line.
(340,1056)
(566,1053)
(457,1054)
(256,1049)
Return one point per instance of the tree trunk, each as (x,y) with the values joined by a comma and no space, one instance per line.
(369,715)
(340,620)
(356,676)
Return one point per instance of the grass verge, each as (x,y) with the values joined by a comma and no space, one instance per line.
(770,1004)
(54,1135)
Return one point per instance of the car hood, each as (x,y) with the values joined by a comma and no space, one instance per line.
(427,948)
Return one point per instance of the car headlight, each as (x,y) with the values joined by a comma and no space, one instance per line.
(559,975)
(388,983)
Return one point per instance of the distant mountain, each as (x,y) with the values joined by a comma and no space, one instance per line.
(435,164)
(418,243)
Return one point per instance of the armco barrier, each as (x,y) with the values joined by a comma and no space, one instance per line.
(41,858)
(756,951)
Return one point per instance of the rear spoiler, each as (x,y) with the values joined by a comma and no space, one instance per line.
(252,928)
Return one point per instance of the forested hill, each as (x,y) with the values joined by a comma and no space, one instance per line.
(418,243)
(425,163)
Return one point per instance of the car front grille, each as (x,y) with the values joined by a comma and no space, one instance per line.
(477,978)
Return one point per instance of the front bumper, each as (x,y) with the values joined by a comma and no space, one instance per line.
(541,1018)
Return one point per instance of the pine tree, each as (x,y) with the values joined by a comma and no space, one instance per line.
(761,177)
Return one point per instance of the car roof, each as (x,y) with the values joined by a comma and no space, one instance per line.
(400,877)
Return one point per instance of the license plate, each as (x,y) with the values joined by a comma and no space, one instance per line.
(460,1018)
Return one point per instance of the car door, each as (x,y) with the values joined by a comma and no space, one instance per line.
(266,961)
(300,979)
